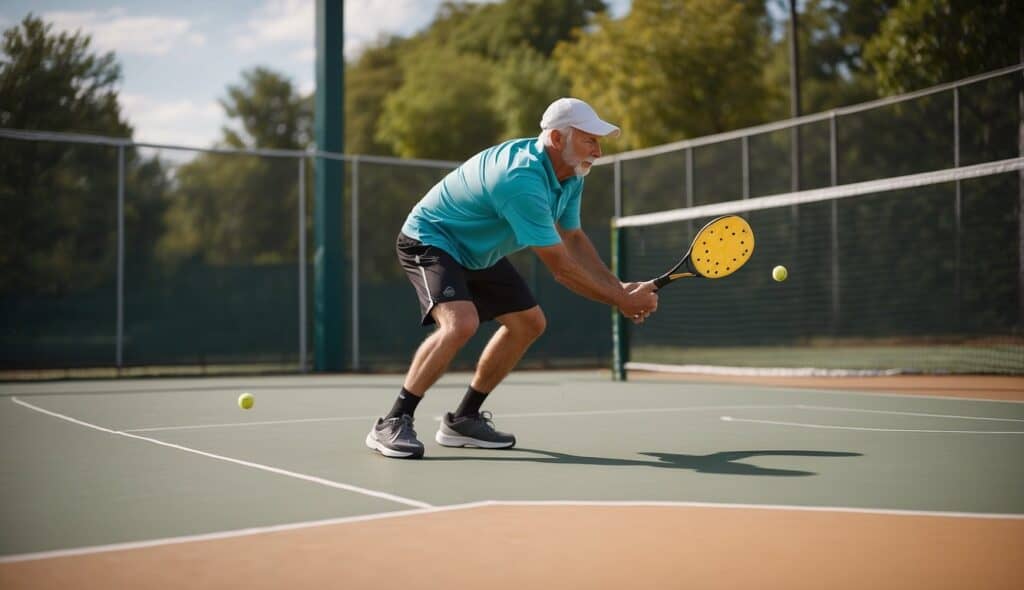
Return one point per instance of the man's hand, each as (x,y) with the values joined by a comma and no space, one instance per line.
(641,301)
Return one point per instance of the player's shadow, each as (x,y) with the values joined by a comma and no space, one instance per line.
(726,462)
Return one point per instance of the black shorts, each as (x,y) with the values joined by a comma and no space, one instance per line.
(439,278)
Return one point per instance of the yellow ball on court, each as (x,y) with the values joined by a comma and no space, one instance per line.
(246,400)
(779,273)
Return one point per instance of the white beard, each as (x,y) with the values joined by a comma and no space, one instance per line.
(570,157)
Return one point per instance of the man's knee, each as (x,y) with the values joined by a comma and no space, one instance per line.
(458,322)
(529,324)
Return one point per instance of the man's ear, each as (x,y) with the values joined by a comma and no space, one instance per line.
(557,139)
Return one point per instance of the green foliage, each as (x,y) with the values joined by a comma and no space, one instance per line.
(270,110)
(376,74)
(927,42)
(443,109)
(52,81)
(524,85)
(240,209)
(671,69)
(58,201)
(832,68)
(495,30)
(479,74)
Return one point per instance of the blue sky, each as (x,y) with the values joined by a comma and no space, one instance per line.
(178,57)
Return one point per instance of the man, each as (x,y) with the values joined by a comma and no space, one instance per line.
(523,193)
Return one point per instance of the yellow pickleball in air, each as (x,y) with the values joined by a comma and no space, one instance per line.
(246,400)
(779,273)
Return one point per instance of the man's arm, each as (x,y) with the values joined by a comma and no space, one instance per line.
(571,273)
(582,249)
(589,277)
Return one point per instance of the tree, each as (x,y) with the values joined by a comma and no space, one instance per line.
(832,36)
(672,69)
(376,74)
(494,30)
(58,201)
(926,42)
(235,208)
(443,109)
(478,74)
(525,83)
(270,110)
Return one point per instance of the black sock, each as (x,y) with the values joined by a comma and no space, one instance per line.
(471,403)
(405,404)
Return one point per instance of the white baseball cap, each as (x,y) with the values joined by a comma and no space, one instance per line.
(573,112)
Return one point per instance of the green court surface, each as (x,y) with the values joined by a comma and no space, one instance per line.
(89,463)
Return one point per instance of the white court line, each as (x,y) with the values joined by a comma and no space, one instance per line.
(229,534)
(489,503)
(832,427)
(637,411)
(275,470)
(261,423)
(438,418)
(836,409)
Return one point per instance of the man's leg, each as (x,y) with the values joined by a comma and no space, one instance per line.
(393,435)
(457,321)
(517,332)
(436,277)
(467,426)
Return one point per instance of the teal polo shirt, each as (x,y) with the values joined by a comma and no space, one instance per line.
(500,201)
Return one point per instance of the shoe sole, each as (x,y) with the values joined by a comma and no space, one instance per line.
(453,440)
(372,443)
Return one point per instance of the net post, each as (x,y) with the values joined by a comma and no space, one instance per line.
(689,186)
(833,153)
(619,342)
(745,159)
(1020,194)
(957,210)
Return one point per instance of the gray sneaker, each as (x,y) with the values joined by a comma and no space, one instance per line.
(472,431)
(395,437)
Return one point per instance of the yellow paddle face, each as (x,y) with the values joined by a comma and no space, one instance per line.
(722,247)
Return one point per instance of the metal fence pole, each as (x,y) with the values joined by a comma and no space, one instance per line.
(745,159)
(120,258)
(957,207)
(689,187)
(618,325)
(833,154)
(302,264)
(617,181)
(355,262)
(1020,195)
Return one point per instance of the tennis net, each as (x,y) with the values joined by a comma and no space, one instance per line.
(915,273)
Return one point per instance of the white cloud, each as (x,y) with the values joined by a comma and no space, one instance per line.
(179,122)
(365,20)
(114,31)
(279,21)
(304,55)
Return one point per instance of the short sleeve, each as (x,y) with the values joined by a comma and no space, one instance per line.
(531,221)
